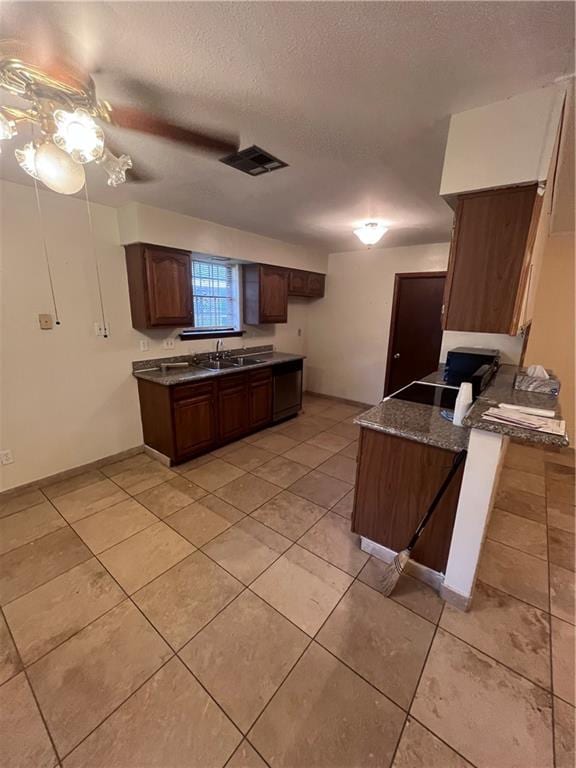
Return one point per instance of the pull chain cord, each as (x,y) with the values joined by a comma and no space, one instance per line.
(96,262)
(46,257)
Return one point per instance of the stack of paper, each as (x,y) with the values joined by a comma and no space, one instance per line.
(515,416)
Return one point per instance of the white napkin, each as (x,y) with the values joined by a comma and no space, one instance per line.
(537,371)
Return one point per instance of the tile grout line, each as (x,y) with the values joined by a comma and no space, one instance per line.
(550,649)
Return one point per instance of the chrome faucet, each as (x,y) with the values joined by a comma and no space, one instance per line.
(219,347)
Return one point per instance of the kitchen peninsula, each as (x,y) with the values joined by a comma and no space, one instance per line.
(406,449)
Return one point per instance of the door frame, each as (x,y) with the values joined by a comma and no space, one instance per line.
(397,278)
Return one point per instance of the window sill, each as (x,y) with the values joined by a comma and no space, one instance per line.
(193,335)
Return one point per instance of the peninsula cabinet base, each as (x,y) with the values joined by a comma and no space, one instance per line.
(396,481)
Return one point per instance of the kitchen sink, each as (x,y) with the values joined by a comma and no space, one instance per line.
(218,365)
(243,361)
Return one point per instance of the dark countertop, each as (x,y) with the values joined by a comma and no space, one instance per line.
(414,421)
(501,390)
(194,373)
(425,424)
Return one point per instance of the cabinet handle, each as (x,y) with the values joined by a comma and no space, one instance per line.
(397,355)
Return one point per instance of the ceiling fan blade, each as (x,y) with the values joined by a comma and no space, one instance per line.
(138,120)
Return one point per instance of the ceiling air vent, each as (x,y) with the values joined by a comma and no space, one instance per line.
(253,161)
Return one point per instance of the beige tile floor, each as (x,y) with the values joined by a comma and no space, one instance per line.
(223,614)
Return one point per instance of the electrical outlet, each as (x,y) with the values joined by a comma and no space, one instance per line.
(168,343)
(144,345)
(101,329)
(6,457)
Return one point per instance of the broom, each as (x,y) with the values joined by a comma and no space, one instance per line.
(395,569)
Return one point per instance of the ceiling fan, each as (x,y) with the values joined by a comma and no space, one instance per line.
(67,117)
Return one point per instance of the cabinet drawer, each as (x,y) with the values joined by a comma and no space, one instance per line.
(262,374)
(233,381)
(186,391)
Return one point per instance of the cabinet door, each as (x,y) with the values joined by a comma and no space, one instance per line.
(233,409)
(195,424)
(273,295)
(316,284)
(487,259)
(298,282)
(260,399)
(169,284)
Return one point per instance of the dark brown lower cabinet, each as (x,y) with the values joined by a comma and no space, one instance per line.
(195,421)
(233,414)
(186,420)
(396,481)
(260,398)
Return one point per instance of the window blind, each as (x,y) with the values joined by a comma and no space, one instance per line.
(215,294)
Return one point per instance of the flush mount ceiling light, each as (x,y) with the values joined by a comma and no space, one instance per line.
(371,232)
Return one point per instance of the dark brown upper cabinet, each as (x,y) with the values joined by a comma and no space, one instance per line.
(265,294)
(160,286)
(491,260)
(306,284)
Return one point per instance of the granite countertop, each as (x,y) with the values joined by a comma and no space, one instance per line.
(425,424)
(148,369)
(501,390)
(415,421)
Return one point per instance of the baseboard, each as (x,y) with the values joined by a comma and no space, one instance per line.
(454,598)
(342,400)
(67,473)
(416,570)
(160,457)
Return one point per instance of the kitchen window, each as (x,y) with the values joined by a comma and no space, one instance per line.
(215,291)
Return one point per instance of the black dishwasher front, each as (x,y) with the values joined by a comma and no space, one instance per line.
(287,389)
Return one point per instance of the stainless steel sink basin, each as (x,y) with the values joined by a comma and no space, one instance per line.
(243,361)
(218,365)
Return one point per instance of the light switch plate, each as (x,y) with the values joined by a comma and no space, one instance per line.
(46,323)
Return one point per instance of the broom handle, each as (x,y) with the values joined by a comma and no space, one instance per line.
(422,524)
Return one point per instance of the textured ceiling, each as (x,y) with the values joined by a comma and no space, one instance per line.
(354,96)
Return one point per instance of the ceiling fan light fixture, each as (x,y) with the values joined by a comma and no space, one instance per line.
(26,159)
(78,134)
(115,167)
(7,128)
(371,232)
(57,170)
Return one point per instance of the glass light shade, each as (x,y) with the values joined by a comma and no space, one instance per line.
(57,170)
(371,232)
(79,135)
(115,167)
(7,128)
(26,158)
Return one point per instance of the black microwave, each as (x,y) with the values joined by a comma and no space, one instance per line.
(472,364)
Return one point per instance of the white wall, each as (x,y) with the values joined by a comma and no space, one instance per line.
(142,223)
(510,346)
(348,330)
(67,397)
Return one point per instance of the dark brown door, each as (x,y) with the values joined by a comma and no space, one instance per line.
(233,408)
(415,328)
(273,295)
(487,258)
(169,283)
(195,424)
(260,399)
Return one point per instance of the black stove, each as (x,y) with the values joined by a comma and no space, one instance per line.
(428,394)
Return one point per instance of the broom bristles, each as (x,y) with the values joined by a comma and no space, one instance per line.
(393,572)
